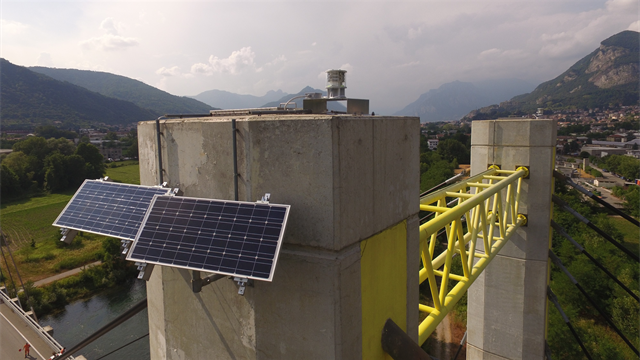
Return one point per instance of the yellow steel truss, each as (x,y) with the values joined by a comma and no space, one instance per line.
(489,203)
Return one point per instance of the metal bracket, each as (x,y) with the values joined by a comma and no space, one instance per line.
(197,282)
(265,199)
(106,178)
(242,283)
(124,245)
(176,192)
(145,270)
(68,235)
(164,184)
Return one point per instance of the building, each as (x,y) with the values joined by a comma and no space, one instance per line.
(433,144)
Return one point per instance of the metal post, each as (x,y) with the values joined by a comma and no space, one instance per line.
(235,160)
(160,179)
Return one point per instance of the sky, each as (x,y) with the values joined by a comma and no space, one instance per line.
(393,51)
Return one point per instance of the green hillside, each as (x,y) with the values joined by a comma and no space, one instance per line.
(124,88)
(30,99)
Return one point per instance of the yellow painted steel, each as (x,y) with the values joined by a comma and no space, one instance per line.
(383,276)
(489,203)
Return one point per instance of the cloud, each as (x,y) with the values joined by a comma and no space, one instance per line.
(412,63)
(112,40)
(108,42)
(10,27)
(172,71)
(238,62)
(634,26)
(495,53)
(45,60)
(109,26)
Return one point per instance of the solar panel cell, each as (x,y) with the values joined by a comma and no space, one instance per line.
(107,208)
(228,237)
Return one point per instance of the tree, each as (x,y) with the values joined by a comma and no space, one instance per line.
(584,155)
(9,183)
(111,136)
(94,162)
(451,149)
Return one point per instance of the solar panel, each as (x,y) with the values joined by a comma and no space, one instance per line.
(108,208)
(226,237)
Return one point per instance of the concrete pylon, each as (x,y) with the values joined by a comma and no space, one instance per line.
(506,314)
(349,257)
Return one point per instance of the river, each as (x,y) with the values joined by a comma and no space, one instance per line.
(82,318)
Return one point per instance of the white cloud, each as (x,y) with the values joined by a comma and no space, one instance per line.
(112,40)
(412,63)
(10,27)
(172,71)
(45,60)
(238,62)
(108,42)
(110,26)
(634,26)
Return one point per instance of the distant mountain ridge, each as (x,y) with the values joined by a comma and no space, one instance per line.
(453,100)
(331,105)
(30,98)
(228,100)
(608,75)
(124,88)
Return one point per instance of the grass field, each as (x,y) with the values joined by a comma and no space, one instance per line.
(125,172)
(29,220)
(631,232)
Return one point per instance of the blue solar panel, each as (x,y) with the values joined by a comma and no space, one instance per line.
(227,237)
(108,208)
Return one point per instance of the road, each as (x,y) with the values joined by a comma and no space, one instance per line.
(14,333)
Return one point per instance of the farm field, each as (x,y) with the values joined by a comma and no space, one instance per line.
(125,172)
(34,241)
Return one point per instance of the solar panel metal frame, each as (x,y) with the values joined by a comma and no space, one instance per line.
(275,256)
(166,191)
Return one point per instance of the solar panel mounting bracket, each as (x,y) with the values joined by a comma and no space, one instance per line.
(197,282)
(68,235)
(242,284)
(265,199)
(106,178)
(125,247)
(145,270)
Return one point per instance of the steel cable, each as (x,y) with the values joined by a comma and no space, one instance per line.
(559,264)
(552,297)
(562,232)
(586,221)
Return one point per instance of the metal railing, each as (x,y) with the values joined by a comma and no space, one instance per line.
(48,339)
(489,201)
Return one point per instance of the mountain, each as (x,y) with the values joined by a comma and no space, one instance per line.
(608,75)
(124,88)
(30,98)
(331,105)
(453,100)
(227,100)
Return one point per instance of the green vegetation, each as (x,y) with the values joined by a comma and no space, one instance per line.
(598,337)
(111,272)
(55,165)
(124,172)
(123,88)
(30,99)
(624,166)
(631,197)
(27,224)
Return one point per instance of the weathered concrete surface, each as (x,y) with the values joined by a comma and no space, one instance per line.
(346,178)
(507,303)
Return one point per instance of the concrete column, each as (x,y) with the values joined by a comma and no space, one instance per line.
(506,314)
(349,257)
